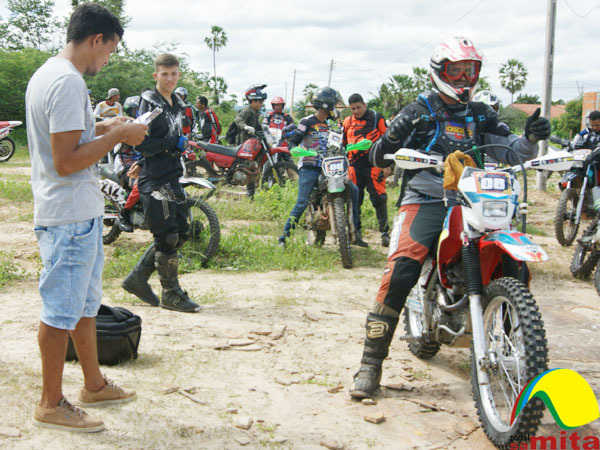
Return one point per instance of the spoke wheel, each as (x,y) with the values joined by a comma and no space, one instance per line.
(565,227)
(7,149)
(516,347)
(586,255)
(205,230)
(111,229)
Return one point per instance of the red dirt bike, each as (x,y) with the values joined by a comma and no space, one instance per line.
(243,164)
(7,145)
(474,292)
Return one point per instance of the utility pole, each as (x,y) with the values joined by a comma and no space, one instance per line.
(292,102)
(330,70)
(547,92)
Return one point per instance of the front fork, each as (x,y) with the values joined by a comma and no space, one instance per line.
(272,163)
(581,199)
(474,285)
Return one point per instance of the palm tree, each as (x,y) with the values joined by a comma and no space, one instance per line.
(513,76)
(216,41)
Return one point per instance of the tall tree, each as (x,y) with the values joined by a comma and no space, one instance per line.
(30,25)
(513,76)
(216,41)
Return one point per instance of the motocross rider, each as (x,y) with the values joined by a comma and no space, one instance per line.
(161,194)
(364,123)
(438,122)
(277,118)
(589,137)
(248,120)
(312,133)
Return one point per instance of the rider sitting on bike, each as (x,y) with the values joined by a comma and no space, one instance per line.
(438,122)
(312,133)
(248,120)
(277,118)
(589,137)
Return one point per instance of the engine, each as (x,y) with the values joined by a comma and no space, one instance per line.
(245,172)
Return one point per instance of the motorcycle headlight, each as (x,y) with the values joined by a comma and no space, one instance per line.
(577,164)
(495,209)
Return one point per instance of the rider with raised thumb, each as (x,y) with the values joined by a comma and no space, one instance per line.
(438,122)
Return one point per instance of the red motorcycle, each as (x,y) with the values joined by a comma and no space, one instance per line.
(243,164)
(7,145)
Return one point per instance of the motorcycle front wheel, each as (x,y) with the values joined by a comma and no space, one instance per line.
(341,226)
(200,167)
(565,228)
(7,149)
(516,351)
(205,230)
(585,257)
(286,171)
(111,229)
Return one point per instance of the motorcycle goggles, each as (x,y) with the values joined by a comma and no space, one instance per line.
(455,70)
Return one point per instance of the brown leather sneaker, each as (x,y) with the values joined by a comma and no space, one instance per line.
(109,395)
(66,417)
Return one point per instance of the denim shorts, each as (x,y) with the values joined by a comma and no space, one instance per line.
(71,280)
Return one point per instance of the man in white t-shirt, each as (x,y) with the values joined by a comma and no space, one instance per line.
(109,107)
(65,144)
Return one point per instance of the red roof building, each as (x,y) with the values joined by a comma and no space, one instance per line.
(555,110)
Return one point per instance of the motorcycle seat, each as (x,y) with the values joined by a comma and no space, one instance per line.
(222,149)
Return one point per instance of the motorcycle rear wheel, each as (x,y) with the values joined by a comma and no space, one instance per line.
(565,228)
(585,257)
(286,171)
(111,229)
(200,167)
(7,149)
(516,346)
(341,226)
(205,231)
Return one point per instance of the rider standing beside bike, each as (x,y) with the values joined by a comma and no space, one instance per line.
(208,122)
(160,192)
(589,137)
(438,122)
(248,120)
(362,124)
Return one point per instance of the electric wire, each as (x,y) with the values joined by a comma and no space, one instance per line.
(581,16)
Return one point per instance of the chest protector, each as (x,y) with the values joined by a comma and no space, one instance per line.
(442,132)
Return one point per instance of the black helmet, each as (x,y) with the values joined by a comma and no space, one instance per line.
(255,92)
(131,105)
(325,98)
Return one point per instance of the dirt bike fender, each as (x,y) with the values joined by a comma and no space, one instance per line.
(274,150)
(336,185)
(567,179)
(515,244)
(196,181)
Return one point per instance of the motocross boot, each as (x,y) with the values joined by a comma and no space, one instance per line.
(380,330)
(136,282)
(173,297)
(358,239)
(124,221)
(382,217)
(385,239)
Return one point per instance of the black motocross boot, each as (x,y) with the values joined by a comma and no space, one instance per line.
(358,239)
(382,217)
(136,282)
(380,330)
(173,297)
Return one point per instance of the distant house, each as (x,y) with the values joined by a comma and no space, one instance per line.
(555,110)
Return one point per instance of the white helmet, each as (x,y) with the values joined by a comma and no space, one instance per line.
(488,97)
(452,60)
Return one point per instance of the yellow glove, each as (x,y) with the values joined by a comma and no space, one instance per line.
(453,168)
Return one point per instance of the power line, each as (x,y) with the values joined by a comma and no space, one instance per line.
(439,34)
(581,16)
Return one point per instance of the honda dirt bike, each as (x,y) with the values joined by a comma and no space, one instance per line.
(575,202)
(330,203)
(205,231)
(7,145)
(473,291)
(244,164)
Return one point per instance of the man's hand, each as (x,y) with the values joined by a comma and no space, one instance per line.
(400,128)
(107,125)
(134,170)
(133,133)
(249,129)
(537,128)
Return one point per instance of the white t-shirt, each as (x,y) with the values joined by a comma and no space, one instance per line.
(104,110)
(57,101)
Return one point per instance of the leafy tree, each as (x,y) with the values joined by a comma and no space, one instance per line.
(514,118)
(568,124)
(30,25)
(529,99)
(483,84)
(513,76)
(216,41)
(400,91)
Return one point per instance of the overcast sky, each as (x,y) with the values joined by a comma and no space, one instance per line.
(368,40)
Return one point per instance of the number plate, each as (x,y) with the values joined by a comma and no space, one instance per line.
(336,166)
(493,182)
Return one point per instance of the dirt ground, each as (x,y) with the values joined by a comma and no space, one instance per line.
(278,350)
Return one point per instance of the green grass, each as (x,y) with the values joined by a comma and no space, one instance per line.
(9,271)
(16,191)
